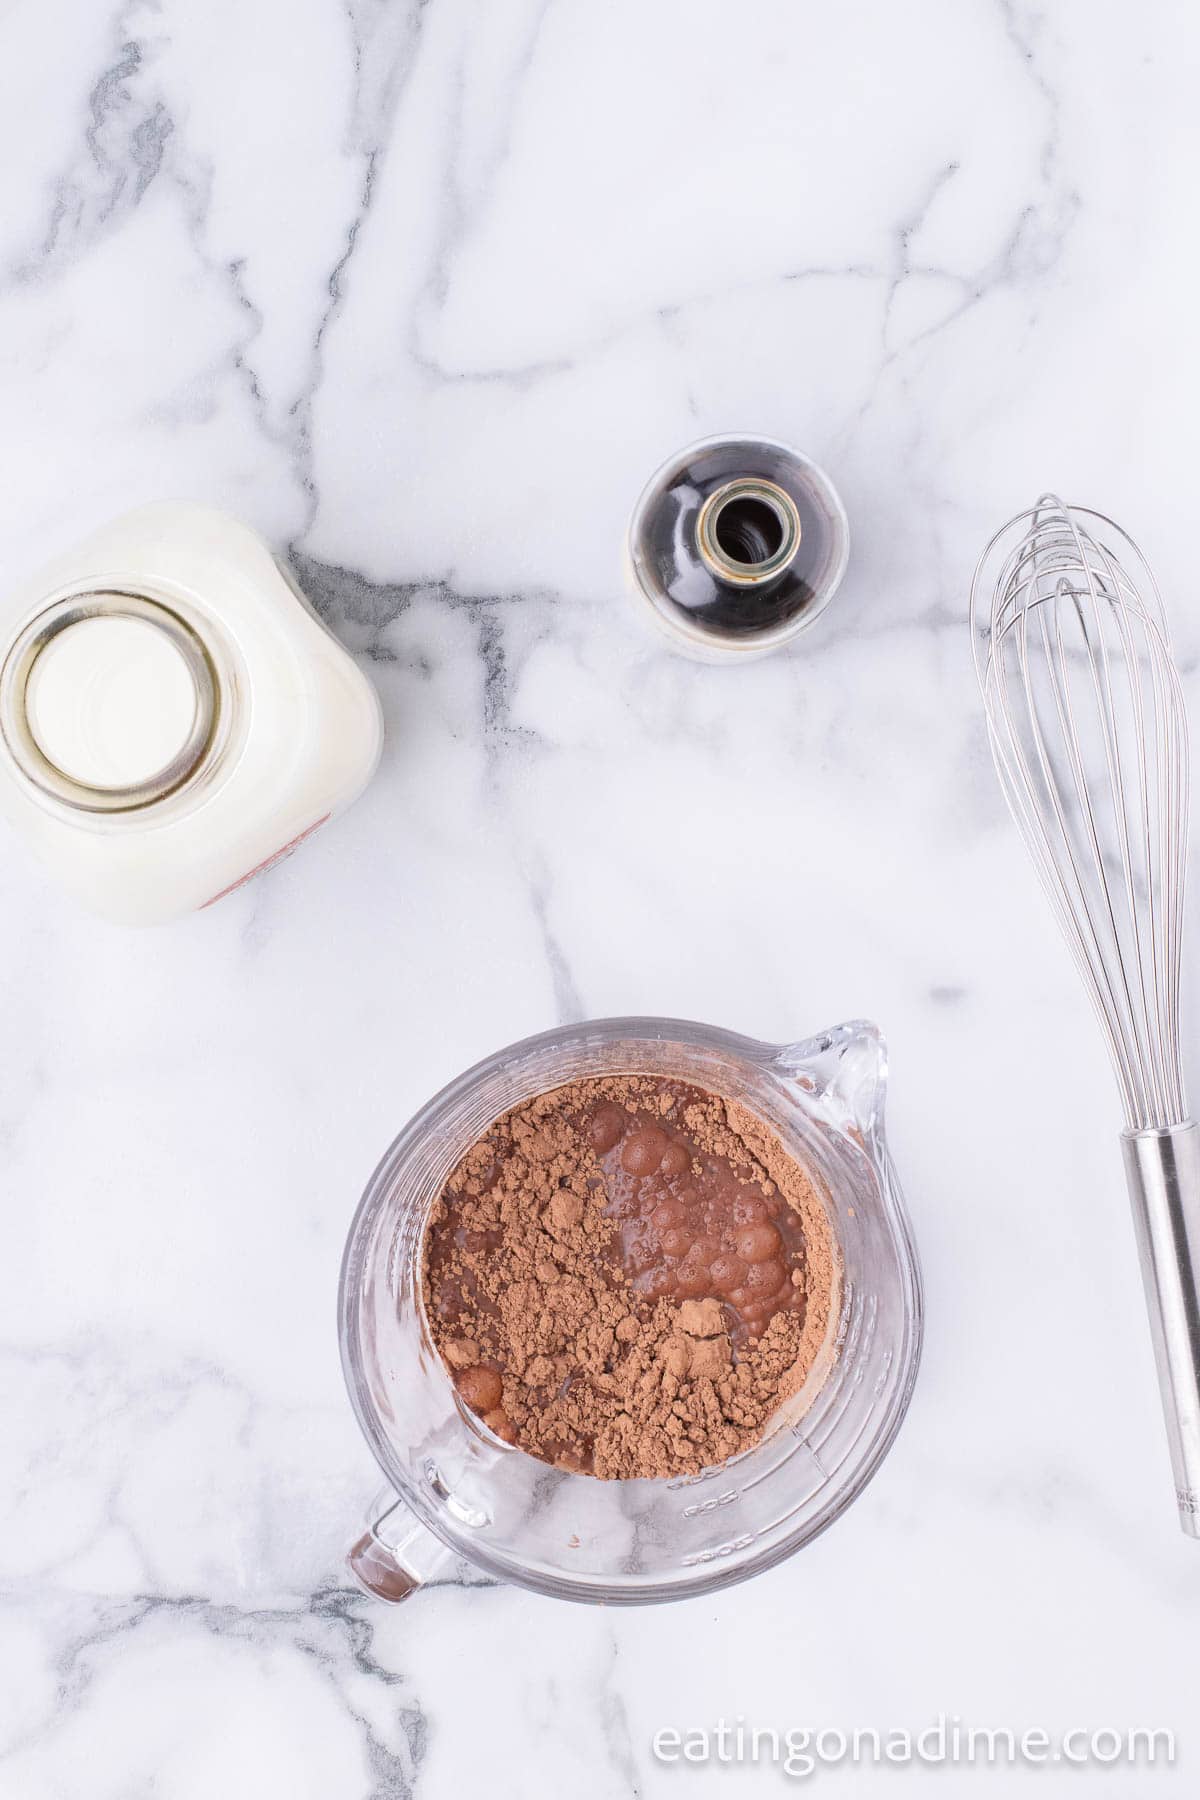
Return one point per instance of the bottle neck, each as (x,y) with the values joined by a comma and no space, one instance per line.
(111,702)
(748,531)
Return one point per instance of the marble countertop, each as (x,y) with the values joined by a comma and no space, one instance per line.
(425,292)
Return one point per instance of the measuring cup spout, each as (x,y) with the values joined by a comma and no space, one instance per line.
(847,1067)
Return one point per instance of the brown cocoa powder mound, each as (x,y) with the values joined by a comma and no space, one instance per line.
(535,1315)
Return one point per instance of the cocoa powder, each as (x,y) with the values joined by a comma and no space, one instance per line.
(627,1275)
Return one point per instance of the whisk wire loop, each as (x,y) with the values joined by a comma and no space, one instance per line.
(1087,728)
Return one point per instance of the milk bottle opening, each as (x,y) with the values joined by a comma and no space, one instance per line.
(110,700)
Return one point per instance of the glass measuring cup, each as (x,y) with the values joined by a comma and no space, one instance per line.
(454,1489)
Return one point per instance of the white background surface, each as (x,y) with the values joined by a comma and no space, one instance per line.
(425,293)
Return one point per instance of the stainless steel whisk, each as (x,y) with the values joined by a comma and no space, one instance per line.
(1088,731)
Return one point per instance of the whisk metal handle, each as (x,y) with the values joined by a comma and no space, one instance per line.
(1163,1171)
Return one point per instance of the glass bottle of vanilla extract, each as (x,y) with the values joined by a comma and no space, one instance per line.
(737,545)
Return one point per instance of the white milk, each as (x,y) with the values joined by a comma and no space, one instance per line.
(174,717)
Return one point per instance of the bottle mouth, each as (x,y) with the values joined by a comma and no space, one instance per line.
(748,531)
(109,702)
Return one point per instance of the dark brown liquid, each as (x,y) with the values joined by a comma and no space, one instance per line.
(689,1226)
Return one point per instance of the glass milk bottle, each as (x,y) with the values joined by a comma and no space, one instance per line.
(174,717)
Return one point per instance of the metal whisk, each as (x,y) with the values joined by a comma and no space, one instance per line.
(1089,736)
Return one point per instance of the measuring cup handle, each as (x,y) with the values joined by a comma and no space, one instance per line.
(396,1555)
(1163,1172)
